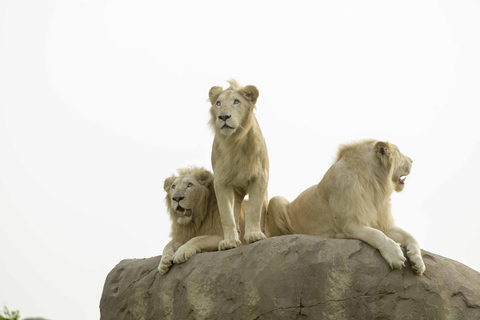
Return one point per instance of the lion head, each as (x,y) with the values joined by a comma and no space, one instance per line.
(188,195)
(399,164)
(231,108)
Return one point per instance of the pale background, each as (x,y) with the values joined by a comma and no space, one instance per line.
(100,101)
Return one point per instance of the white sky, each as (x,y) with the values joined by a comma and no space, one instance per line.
(100,101)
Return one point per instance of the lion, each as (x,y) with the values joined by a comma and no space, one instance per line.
(240,162)
(193,209)
(353,201)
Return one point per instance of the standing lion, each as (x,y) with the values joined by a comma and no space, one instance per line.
(193,209)
(239,161)
(353,201)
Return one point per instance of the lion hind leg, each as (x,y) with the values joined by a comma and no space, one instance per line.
(389,249)
(278,219)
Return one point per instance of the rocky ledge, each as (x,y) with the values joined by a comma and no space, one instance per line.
(291,277)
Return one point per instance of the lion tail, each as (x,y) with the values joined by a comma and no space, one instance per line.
(278,219)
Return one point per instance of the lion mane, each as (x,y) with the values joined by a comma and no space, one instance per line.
(205,216)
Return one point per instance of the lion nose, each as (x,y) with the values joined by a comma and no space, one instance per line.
(178,199)
(224,117)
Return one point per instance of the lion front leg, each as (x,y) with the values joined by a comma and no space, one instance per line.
(225,200)
(237,210)
(413,248)
(255,211)
(167,256)
(196,245)
(389,249)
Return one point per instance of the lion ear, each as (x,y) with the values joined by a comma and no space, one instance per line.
(214,93)
(205,178)
(383,151)
(168,183)
(250,93)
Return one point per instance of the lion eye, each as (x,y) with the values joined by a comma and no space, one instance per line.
(190,185)
(218,103)
(236,101)
(174,186)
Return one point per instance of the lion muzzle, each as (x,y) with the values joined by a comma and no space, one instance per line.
(181,212)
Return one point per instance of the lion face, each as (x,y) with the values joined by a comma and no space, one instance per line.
(187,195)
(389,154)
(401,168)
(231,107)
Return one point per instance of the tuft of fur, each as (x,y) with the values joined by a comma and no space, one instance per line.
(234,85)
(353,201)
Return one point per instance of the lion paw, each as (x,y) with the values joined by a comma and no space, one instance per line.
(394,255)
(183,254)
(416,260)
(165,264)
(228,244)
(254,236)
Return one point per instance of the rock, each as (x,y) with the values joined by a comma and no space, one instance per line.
(291,277)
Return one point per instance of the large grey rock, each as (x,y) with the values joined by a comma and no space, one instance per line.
(291,277)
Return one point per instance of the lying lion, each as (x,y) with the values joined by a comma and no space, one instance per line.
(193,209)
(239,161)
(353,201)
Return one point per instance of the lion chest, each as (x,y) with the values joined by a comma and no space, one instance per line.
(233,164)
(236,174)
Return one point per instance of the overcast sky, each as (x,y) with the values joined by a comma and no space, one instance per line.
(100,101)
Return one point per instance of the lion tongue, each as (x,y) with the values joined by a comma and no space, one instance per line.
(184,212)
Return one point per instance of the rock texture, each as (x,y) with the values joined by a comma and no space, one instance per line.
(291,277)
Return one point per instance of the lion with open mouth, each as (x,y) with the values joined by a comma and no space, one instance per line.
(193,210)
(353,201)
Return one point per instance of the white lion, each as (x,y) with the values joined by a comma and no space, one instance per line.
(239,161)
(353,201)
(193,209)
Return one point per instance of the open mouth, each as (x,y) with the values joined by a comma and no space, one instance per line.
(402,179)
(181,212)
